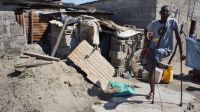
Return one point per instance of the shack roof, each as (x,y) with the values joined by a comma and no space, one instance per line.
(71,8)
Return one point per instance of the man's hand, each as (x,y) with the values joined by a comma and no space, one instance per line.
(183,57)
(150,35)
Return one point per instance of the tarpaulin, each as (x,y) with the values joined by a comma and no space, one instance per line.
(124,89)
(192,53)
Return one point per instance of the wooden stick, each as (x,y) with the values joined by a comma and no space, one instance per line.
(24,24)
(181,102)
(44,57)
(31,26)
(59,38)
(32,65)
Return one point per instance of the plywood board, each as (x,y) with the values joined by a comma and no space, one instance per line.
(97,68)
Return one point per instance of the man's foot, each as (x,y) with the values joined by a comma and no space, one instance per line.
(149,96)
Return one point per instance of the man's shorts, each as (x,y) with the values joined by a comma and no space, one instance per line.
(154,57)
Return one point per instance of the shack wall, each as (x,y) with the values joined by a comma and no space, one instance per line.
(11,34)
(131,12)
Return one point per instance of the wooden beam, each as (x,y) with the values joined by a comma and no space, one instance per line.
(33,64)
(24,24)
(59,38)
(44,57)
(30,40)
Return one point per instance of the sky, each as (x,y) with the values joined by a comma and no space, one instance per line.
(78,1)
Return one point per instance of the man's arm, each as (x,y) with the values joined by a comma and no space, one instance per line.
(145,32)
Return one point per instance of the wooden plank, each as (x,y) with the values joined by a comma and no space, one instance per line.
(24,25)
(37,33)
(21,19)
(30,27)
(40,24)
(44,57)
(38,30)
(59,38)
(33,64)
(97,68)
(37,36)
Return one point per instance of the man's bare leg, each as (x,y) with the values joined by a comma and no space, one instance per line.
(151,83)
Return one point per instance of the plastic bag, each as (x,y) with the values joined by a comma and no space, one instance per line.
(124,89)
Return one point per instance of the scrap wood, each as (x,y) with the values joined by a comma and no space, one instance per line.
(20,69)
(44,57)
(98,69)
(30,60)
(59,38)
(33,64)
(24,56)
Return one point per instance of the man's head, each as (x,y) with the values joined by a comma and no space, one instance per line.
(165,12)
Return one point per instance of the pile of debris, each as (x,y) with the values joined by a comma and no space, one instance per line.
(116,43)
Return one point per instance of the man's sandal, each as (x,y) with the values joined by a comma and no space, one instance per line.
(149,97)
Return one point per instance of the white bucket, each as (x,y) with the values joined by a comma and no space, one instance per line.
(158,75)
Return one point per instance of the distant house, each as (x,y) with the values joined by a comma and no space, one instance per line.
(141,12)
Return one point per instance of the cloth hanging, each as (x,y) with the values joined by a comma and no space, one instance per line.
(192,53)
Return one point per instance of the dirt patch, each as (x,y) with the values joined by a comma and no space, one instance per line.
(55,87)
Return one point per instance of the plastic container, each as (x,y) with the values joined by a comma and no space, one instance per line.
(168,75)
(158,75)
(145,75)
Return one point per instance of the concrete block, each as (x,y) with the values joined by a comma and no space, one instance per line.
(125,48)
(7,44)
(118,62)
(16,29)
(15,51)
(2,45)
(119,71)
(2,52)
(115,41)
(4,29)
(17,43)
(116,48)
(11,34)
(117,55)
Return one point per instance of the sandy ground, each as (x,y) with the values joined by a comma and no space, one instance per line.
(55,87)
(48,88)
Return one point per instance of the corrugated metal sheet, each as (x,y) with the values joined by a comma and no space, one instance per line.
(39,26)
(35,25)
(97,68)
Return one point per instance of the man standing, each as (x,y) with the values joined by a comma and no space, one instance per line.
(159,42)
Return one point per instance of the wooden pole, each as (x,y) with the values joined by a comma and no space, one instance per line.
(33,64)
(30,40)
(154,77)
(181,103)
(24,24)
(39,56)
(58,40)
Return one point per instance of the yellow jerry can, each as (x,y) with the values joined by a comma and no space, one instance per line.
(168,75)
